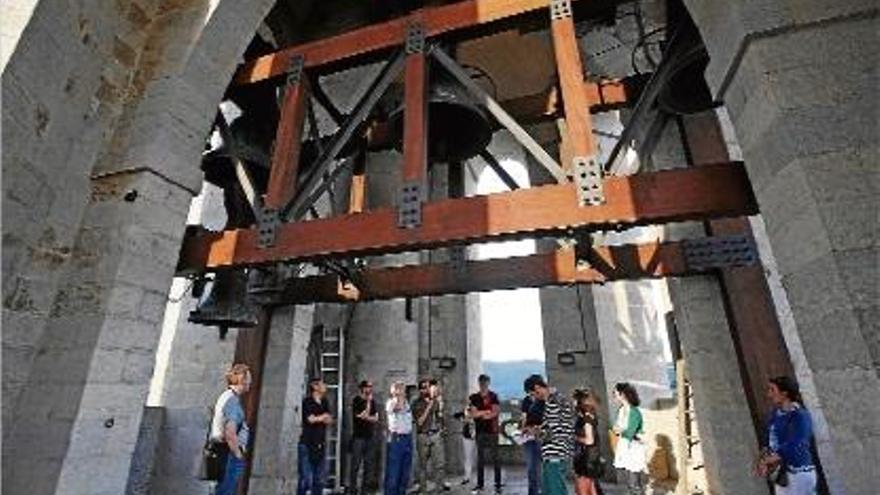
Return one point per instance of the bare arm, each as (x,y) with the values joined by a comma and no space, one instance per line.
(231,437)
(588,434)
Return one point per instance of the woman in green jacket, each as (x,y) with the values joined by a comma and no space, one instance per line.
(630,456)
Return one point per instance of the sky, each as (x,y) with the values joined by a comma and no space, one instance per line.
(511,319)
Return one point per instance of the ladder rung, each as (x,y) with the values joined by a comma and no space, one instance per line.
(330,354)
(329,369)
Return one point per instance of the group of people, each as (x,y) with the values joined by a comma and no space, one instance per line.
(420,424)
(558,434)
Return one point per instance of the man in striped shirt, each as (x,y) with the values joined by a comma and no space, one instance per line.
(557,438)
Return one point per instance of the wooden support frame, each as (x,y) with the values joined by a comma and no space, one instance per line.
(415,119)
(571,82)
(674,195)
(561,267)
(284,170)
(435,20)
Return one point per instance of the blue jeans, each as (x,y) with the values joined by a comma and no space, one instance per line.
(533,466)
(311,474)
(234,468)
(398,463)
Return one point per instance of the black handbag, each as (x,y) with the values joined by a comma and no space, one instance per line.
(214,456)
(778,475)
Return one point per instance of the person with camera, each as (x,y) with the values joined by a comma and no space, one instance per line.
(530,424)
(787,460)
(557,438)
(229,431)
(430,433)
(398,455)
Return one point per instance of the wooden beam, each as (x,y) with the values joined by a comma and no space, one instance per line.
(436,20)
(599,96)
(357,193)
(674,195)
(288,138)
(560,267)
(415,121)
(571,82)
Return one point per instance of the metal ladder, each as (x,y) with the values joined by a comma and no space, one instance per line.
(332,359)
(690,439)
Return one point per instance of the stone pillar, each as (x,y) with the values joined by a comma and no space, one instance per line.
(86,394)
(443,327)
(283,384)
(800,85)
(726,432)
(727,436)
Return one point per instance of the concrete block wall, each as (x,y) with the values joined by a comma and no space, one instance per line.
(800,86)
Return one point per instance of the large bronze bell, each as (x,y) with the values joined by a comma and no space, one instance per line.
(458,129)
(685,90)
(225,303)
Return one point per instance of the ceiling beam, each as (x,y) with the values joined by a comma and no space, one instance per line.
(561,267)
(674,195)
(436,20)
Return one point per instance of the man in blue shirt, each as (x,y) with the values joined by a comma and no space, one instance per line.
(530,423)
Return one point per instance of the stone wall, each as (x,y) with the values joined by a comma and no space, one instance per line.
(106,105)
(800,85)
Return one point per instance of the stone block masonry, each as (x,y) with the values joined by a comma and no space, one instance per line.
(801,91)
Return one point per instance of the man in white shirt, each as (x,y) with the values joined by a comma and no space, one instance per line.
(398,460)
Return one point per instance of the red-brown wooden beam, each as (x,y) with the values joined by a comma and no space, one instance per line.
(288,138)
(436,20)
(560,267)
(357,193)
(571,82)
(415,123)
(674,195)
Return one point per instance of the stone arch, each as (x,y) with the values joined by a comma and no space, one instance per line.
(100,99)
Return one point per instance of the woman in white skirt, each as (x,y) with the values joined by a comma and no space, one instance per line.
(630,455)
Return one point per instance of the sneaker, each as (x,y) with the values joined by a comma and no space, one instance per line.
(476,490)
(446,487)
(466,481)
(497,490)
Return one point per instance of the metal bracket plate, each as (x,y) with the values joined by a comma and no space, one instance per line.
(409,211)
(295,70)
(560,9)
(267,227)
(588,179)
(457,258)
(719,252)
(415,38)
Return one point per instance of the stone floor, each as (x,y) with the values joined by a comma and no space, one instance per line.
(515,483)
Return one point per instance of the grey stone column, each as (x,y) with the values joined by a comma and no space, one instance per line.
(800,83)
(78,418)
(727,436)
(282,388)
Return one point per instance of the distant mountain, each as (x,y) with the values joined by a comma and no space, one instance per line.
(507,376)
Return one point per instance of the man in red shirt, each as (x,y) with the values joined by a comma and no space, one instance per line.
(484,408)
